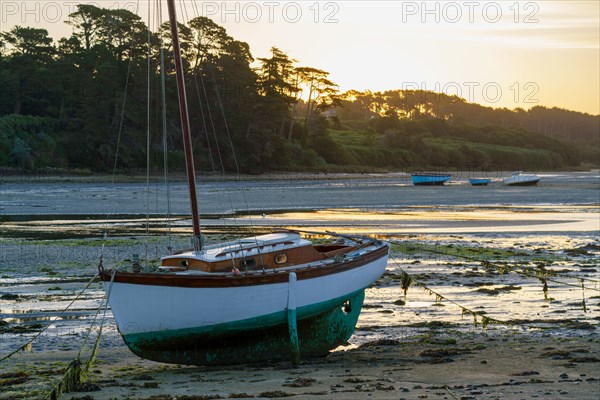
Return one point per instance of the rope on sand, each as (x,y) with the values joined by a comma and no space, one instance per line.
(450,392)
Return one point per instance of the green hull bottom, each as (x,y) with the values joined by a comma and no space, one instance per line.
(252,341)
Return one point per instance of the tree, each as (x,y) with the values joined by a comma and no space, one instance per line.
(30,52)
(31,42)
(277,83)
(121,30)
(277,76)
(208,40)
(87,20)
(125,33)
(322,93)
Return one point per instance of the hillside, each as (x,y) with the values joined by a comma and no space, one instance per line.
(437,143)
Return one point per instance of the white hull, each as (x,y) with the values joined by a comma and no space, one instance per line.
(151,308)
(519,179)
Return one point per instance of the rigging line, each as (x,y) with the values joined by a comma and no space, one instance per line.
(183,11)
(120,131)
(51,322)
(559,282)
(540,273)
(208,59)
(484,319)
(87,336)
(106,304)
(221,108)
(212,124)
(440,296)
(209,148)
(208,112)
(213,163)
(210,153)
(234,243)
(203,119)
(81,375)
(228,132)
(148,113)
(197,240)
(121,120)
(65,382)
(164,124)
(137,7)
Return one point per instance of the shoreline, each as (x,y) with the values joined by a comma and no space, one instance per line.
(265,176)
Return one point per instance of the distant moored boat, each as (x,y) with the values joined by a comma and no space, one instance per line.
(479,181)
(520,179)
(429,179)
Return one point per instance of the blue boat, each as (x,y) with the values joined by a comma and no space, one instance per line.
(479,181)
(429,179)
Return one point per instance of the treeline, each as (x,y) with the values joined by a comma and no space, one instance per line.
(577,129)
(82,102)
(436,143)
(416,104)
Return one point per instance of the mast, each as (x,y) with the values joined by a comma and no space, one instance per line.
(185,125)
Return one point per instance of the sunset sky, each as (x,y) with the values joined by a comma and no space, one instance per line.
(502,54)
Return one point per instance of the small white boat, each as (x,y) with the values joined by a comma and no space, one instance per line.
(521,179)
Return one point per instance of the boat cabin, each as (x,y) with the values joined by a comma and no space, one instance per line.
(271,251)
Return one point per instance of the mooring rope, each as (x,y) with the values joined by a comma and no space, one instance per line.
(526,271)
(74,374)
(408,280)
(28,344)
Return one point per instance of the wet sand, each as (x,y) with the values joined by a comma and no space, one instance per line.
(435,366)
(414,347)
(371,192)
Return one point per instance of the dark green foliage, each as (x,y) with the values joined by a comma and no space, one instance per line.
(433,142)
(81,103)
(27,141)
(447,131)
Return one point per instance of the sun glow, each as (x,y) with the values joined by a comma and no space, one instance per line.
(499,54)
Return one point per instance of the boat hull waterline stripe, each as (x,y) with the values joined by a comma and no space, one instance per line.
(265,338)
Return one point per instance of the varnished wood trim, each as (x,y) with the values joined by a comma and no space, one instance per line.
(230,280)
(295,256)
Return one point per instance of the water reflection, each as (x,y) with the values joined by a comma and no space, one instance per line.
(428,244)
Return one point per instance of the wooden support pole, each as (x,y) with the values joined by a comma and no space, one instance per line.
(291,316)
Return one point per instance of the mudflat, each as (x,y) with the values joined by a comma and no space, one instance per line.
(503,301)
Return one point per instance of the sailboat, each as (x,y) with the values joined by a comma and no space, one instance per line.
(270,297)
